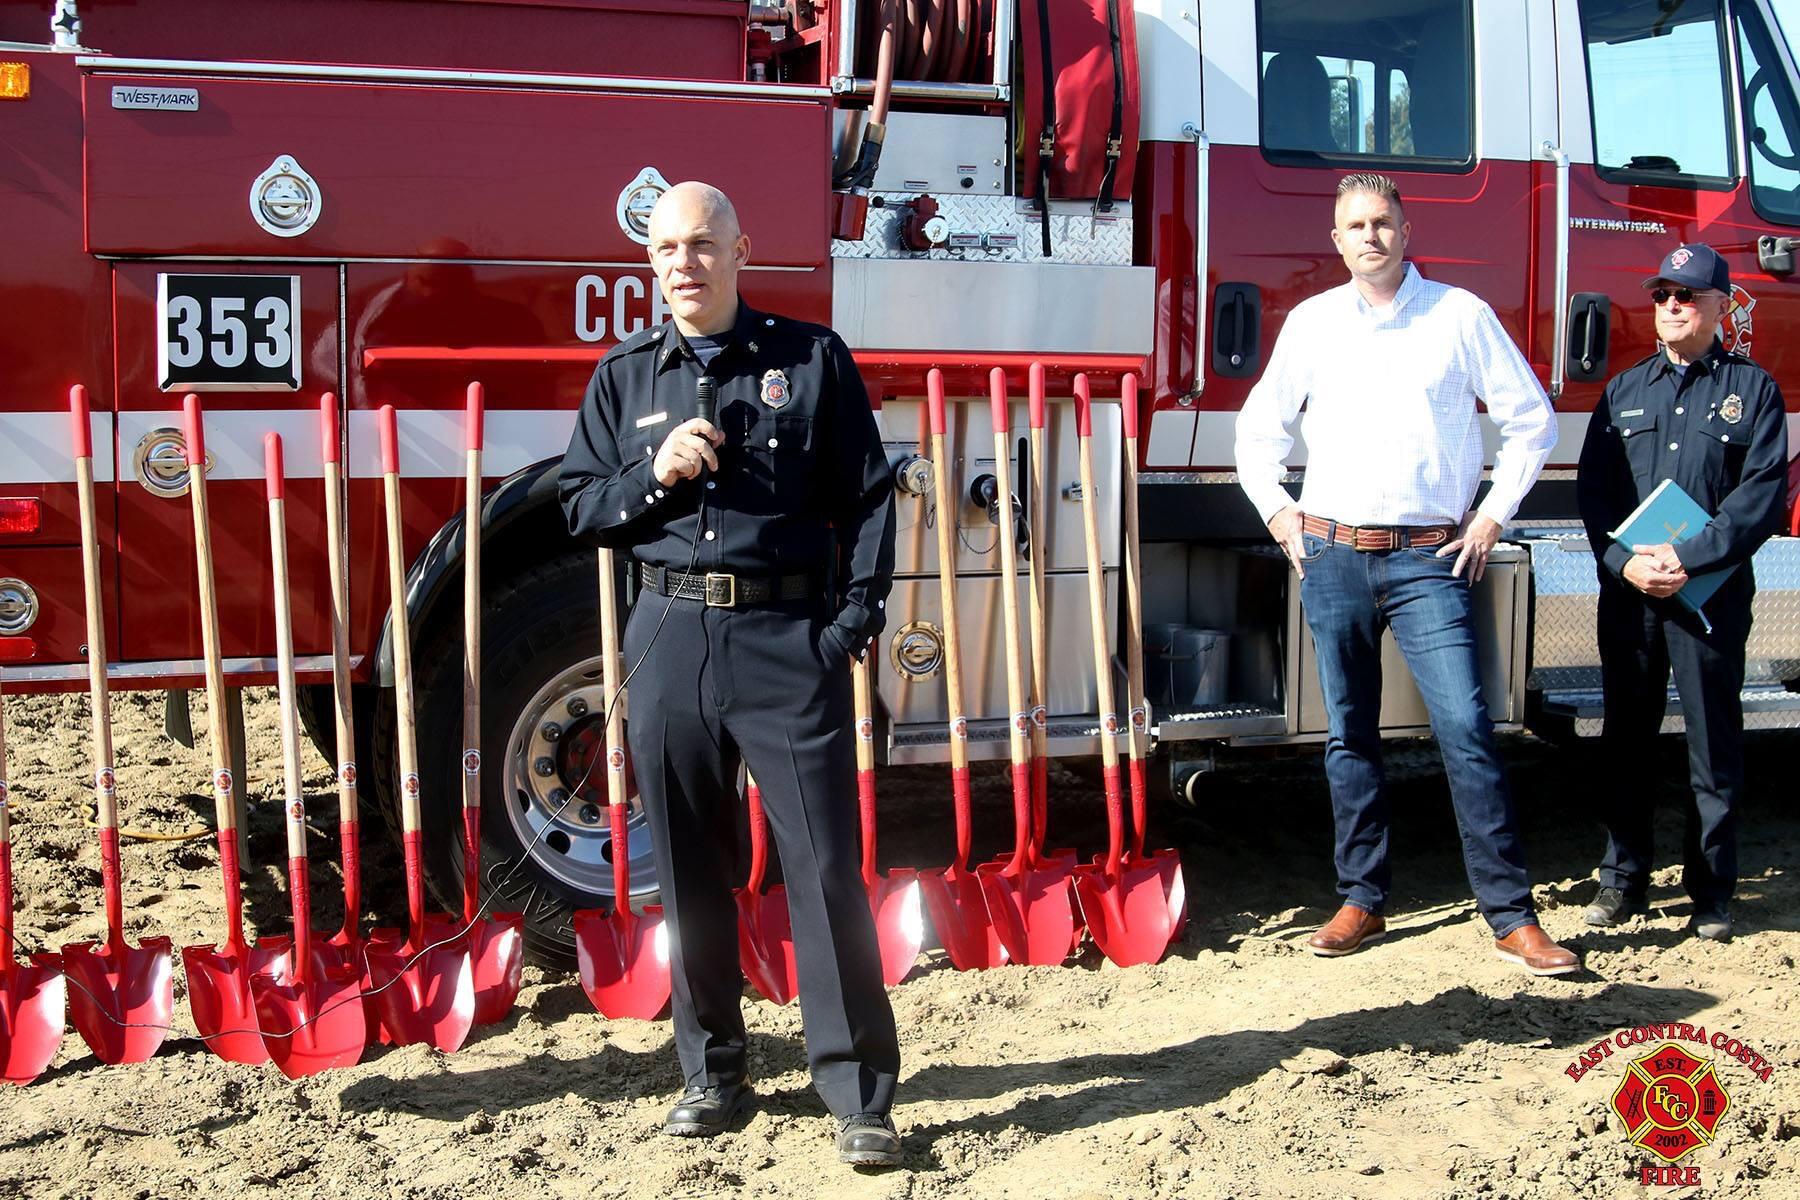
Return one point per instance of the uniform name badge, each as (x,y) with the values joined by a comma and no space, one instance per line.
(1733,409)
(775,391)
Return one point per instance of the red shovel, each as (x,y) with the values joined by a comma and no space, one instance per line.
(348,941)
(124,995)
(218,975)
(894,897)
(765,932)
(959,912)
(308,1000)
(1028,897)
(1167,862)
(623,956)
(424,985)
(32,995)
(1126,903)
(496,942)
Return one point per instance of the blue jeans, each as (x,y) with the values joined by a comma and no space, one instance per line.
(1350,597)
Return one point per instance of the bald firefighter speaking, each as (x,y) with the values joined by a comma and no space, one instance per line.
(734,455)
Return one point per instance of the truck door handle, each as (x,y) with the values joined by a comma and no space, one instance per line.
(1590,325)
(1237,330)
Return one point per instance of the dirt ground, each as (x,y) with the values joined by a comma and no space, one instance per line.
(1240,1066)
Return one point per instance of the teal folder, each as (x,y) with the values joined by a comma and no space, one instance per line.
(1669,514)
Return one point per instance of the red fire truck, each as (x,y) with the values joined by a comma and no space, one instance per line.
(386,199)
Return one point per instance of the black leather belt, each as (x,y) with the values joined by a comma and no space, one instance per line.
(721,589)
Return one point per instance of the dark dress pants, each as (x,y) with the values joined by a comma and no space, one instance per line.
(1641,643)
(753,684)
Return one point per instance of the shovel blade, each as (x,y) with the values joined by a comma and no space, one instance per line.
(1032,911)
(766,943)
(350,951)
(898,909)
(423,997)
(221,1004)
(33,1000)
(124,998)
(1128,914)
(959,914)
(312,1026)
(496,963)
(623,958)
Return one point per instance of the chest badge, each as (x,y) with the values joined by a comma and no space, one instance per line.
(1732,409)
(775,390)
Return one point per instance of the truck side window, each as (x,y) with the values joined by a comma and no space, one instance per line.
(1647,62)
(1771,122)
(1367,82)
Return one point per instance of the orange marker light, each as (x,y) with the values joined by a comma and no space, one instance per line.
(15,80)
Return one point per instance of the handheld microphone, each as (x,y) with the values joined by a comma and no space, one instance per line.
(706,399)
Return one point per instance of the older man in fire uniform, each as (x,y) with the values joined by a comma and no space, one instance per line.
(762,523)
(1388,535)
(1713,422)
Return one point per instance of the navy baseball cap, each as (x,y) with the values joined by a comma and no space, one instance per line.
(1696,266)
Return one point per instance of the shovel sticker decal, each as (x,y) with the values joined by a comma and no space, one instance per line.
(471,762)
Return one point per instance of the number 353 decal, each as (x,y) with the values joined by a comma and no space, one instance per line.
(228,333)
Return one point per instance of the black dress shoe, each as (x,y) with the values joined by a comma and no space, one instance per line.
(1713,924)
(868,1140)
(704,1111)
(1612,907)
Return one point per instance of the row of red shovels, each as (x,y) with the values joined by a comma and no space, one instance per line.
(304,1004)
(1033,905)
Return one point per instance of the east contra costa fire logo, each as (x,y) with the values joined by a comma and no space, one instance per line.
(1670,1102)
(959,729)
(347,774)
(1109,723)
(1732,409)
(1734,325)
(775,390)
(615,758)
(105,781)
(1679,258)
(1022,723)
(297,811)
(865,729)
(471,762)
(222,781)
(410,785)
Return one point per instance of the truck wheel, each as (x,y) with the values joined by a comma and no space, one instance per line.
(547,845)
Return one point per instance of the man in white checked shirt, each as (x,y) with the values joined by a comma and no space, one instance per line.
(1389,368)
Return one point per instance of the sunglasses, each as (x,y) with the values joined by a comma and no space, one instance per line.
(1683,296)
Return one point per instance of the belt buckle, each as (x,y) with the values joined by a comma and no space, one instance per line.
(720,579)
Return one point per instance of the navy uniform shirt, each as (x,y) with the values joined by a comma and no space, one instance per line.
(803,484)
(1717,428)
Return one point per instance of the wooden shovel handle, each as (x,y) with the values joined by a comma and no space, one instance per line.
(615,723)
(224,786)
(1038,492)
(275,488)
(407,748)
(330,454)
(865,763)
(1096,580)
(99,701)
(1138,719)
(946,547)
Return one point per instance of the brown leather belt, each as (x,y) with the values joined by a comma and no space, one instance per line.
(1371,538)
(720,589)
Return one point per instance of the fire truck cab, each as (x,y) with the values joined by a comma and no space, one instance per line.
(386,199)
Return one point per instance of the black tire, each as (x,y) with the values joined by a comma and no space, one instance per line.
(540,632)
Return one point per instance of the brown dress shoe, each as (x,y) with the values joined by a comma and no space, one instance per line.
(1346,932)
(1532,949)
